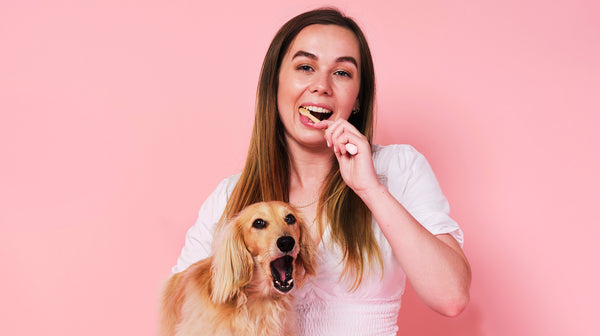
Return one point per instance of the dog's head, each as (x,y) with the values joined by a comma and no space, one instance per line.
(267,243)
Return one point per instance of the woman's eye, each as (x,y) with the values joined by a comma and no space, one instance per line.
(343,73)
(259,224)
(304,68)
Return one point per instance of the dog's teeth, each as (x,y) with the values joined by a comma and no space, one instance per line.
(289,282)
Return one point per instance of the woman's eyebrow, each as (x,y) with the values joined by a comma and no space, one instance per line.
(347,59)
(312,56)
(300,53)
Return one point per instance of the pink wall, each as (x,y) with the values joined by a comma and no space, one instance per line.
(119,117)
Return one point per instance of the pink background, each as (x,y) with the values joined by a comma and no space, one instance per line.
(119,117)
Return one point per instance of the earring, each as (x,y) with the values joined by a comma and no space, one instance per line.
(356,110)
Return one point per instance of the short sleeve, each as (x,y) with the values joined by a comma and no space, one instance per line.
(410,179)
(198,239)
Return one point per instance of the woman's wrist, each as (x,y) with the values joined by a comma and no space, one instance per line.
(372,193)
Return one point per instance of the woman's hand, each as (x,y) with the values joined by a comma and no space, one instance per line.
(357,170)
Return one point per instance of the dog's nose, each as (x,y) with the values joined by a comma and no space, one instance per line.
(286,243)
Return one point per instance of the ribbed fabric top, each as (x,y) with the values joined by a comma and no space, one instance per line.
(349,318)
(326,305)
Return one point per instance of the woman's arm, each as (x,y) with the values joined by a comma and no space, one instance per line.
(434,264)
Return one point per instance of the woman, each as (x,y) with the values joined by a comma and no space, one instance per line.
(378,216)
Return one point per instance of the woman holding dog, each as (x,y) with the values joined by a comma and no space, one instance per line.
(377,216)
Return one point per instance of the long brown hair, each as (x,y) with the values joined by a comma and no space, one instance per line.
(265,176)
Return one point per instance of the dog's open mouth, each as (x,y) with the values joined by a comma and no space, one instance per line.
(281,270)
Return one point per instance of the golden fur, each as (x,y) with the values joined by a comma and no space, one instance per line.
(234,291)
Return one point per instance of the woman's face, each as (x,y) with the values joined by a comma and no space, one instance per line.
(321,72)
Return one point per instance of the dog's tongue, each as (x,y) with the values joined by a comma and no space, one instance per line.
(280,267)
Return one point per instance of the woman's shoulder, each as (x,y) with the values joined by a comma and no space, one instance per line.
(392,148)
(224,188)
(396,155)
(229,182)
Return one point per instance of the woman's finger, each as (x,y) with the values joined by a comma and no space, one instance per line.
(336,135)
(350,139)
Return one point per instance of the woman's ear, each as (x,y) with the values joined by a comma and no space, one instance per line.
(232,263)
(356,107)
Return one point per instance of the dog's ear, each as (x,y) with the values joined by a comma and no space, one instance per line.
(232,263)
(306,259)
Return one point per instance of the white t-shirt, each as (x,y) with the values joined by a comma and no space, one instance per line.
(324,304)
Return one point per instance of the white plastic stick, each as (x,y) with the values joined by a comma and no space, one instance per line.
(351,148)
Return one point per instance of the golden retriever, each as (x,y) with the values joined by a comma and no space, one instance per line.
(243,288)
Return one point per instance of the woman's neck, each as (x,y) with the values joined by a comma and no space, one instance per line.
(309,167)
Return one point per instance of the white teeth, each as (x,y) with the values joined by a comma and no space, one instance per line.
(317,109)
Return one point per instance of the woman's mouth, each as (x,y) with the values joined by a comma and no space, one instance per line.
(315,113)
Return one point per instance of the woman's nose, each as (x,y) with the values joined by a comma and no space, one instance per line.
(321,84)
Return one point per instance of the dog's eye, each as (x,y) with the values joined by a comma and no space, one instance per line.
(259,224)
(290,219)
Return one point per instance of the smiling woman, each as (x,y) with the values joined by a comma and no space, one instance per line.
(376,214)
(319,73)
